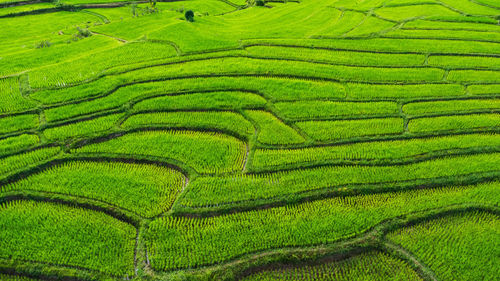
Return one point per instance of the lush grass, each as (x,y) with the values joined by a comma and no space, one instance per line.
(63,235)
(366,266)
(144,189)
(184,242)
(328,109)
(271,130)
(455,123)
(225,121)
(204,152)
(457,247)
(265,159)
(204,191)
(344,129)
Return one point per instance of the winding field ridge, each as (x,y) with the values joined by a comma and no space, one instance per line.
(251,140)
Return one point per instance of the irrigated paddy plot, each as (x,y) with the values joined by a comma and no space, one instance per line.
(249,140)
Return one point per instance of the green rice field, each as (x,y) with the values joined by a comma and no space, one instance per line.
(252,140)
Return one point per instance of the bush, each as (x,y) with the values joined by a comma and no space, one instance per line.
(189,15)
(43,44)
(256,3)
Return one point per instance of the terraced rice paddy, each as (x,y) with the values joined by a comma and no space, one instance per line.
(299,140)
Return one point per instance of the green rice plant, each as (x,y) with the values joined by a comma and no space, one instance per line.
(455,247)
(247,66)
(470,7)
(87,128)
(203,101)
(266,159)
(133,28)
(491,3)
(366,266)
(49,24)
(270,130)
(414,11)
(209,191)
(10,95)
(475,19)
(94,64)
(451,106)
(225,121)
(17,62)
(14,144)
(276,88)
(28,159)
(365,5)
(272,88)
(66,236)
(455,123)
(16,278)
(301,110)
(484,89)
(336,57)
(474,76)
(370,26)
(446,34)
(216,33)
(204,152)
(182,242)
(345,129)
(16,10)
(147,190)
(436,25)
(390,45)
(206,7)
(464,61)
(18,123)
(370,92)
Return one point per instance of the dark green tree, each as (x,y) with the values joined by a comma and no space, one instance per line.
(189,15)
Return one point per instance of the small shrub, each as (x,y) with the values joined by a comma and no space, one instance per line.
(133,9)
(43,44)
(189,15)
(256,3)
(83,32)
